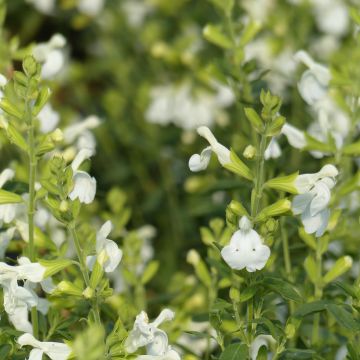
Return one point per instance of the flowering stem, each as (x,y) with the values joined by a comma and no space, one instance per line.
(31,203)
(318,295)
(259,176)
(84,271)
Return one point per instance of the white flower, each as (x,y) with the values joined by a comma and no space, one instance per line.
(18,300)
(315,195)
(44,6)
(313,85)
(259,341)
(295,137)
(246,249)
(332,17)
(51,56)
(143,332)
(90,7)
(273,151)
(7,211)
(135,12)
(5,238)
(48,119)
(80,131)
(84,185)
(54,350)
(113,254)
(200,162)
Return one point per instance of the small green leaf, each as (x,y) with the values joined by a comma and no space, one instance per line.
(283,288)
(10,109)
(343,317)
(313,144)
(276,126)
(41,100)
(214,34)
(150,271)
(254,119)
(235,352)
(279,208)
(311,269)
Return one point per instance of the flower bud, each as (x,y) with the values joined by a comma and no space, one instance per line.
(249,152)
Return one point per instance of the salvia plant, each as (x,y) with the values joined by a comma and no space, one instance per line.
(234,140)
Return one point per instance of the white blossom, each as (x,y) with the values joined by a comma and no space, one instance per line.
(90,7)
(246,249)
(113,254)
(295,137)
(315,195)
(5,238)
(7,211)
(313,85)
(145,333)
(273,151)
(48,119)
(44,6)
(51,55)
(259,341)
(80,132)
(200,162)
(54,350)
(135,12)
(84,185)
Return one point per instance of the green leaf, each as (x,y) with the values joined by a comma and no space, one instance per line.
(41,100)
(238,167)
(250,31)
(310,308)
(248,293)
(7,197)
(225,5)
(283,288)
(343,317)
(254,119)
(353,291)
(235,352)
(276,126)
(214,34)
(150,271)
(16,138)
(316,145)
(294,354)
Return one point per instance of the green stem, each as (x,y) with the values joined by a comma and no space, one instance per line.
(84,271)
(259,176)
(31,203)
(318,296)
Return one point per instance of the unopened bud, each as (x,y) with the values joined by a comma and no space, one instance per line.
(249,152)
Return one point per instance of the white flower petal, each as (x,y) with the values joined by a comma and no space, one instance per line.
(295,137)
(200,162)
(84,187)
(301,202)
(114,256)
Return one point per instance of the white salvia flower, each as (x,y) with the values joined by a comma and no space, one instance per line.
(342,353)
(80,131)
(259,341)
(51,56)
(7,211)
(3,80)
(200,162)
(273,151)
(295,137)
(103,244)
(27,270)
(314,198)
(332,17)
(54,350)
(5,238)
(135,12)
(314,82)
(44,6)
(90,7)
(48,119)
(143,332)
(84,185)
(246,249)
